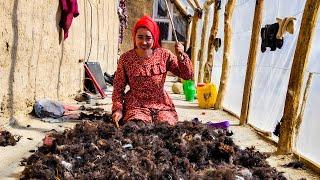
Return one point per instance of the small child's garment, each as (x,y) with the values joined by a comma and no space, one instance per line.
(147,100)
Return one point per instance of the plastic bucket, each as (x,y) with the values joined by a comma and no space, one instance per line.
(207,95)
(189,90)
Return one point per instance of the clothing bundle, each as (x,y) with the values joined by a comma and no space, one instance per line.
(272,34)
(269,37)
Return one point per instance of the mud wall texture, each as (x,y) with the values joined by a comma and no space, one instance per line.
(35,64)
(136,9)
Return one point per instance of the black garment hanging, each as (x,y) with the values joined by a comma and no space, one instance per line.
(269,37)
(219,4)
(217,43)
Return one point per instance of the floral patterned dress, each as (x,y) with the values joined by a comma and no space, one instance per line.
(147,100)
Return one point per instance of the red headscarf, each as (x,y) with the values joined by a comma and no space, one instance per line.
(152,26)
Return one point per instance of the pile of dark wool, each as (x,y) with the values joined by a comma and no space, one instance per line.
(98,150)
(6,139)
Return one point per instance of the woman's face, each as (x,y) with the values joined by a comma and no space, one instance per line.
(144,39)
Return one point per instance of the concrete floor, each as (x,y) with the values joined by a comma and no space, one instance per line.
(11,156)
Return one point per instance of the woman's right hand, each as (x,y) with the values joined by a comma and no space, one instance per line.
(116,116)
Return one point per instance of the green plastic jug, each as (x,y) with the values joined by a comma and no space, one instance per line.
(189,90)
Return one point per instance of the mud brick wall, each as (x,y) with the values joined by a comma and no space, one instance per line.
(34,64)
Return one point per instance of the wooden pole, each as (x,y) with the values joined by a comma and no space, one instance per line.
(252,58)
(189,29)
(204,47)
(180,7)
(299,64)
(211,47)
(197,3)
(226,54)
(303,105)
(191,4)
(194,40)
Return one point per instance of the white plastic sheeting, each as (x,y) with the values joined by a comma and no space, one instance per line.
(273,68)
(272,71)
(241,28)
(308,143)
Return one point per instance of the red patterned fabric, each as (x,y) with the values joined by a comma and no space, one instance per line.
(152,26)
(147,100)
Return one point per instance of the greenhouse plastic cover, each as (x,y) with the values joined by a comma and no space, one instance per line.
(272,71)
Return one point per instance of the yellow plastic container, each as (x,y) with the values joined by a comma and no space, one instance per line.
(207,95)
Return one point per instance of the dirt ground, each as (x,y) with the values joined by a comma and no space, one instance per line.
(10,156)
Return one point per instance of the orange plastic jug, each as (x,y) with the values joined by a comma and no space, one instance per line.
(207,95)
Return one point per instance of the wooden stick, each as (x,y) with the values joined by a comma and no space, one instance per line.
(194,42)
(197,4)
(303,105)
(173,28)
(298,69)
(252,58)
(180,7)
(211,45)
(191,4)
(204,47)
(226,54)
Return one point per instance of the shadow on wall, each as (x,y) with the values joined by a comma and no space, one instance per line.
(58,17)
(13,62)
(59,70)
(61,41)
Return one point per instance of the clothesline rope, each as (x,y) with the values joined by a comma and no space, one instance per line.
(273,67)
(248,30)
(313,72)
(240,4)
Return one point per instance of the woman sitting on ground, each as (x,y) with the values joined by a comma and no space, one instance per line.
(144,69)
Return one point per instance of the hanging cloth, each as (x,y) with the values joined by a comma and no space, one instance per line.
(285,25)
(69,11)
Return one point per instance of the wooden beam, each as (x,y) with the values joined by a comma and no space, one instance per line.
(226,54)
(194,40)
(197,4)
(211,47)
(180,7)
(252,58)
(191,4)
(299,64)
(308,162)
(204,47)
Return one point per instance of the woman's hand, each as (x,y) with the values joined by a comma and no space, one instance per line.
(179,48)
(116,116)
